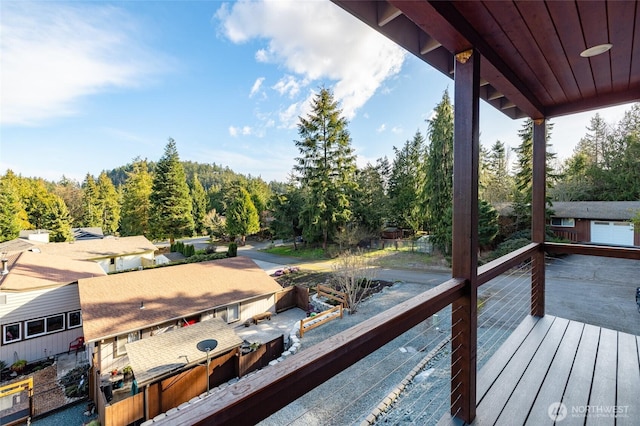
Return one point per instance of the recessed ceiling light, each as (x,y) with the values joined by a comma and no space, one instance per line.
(596,50)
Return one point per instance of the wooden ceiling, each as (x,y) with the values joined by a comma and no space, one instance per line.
(531,64)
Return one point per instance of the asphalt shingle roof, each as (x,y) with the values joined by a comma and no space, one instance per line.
(111,304)
(99,248)
(34,271)
(156,356)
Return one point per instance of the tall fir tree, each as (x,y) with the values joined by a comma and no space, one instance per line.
(92,213)
(497,183)
(171,206)
(11,210)
(109,204)
(370,206)
(524,175)
(439,177)
(327,167)
(286,208)
(241,215)
(406,183)
(136,202)
(199,204)
(57,220)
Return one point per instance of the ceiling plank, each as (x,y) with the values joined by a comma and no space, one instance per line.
(593,16)
(545,36)
(621,15)
(566,20)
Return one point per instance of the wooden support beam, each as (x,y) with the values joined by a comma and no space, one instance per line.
(538,215)
(428,44)
(387,13)
(464,315)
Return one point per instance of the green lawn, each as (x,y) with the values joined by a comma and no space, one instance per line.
(301,253)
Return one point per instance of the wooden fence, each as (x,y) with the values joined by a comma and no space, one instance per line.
(261,357)
(323,317)
(330,293)
(292,297)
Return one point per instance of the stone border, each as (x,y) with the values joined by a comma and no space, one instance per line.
(395,393)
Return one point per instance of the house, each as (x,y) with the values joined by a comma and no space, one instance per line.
(538,60)
(114,254)
(163,312)
(39,305)
(601,222)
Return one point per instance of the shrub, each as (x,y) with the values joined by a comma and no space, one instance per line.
(233,250)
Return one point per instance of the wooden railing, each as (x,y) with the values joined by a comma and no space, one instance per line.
(323,317)
(270,389)
(330,293)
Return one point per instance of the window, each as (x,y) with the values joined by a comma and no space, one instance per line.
(35,328)
(232,313)
(55,323)
(11,333)
(123,340)
(563,221)
(112,261)
(74,319)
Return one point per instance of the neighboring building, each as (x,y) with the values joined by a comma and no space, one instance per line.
(153,319)
(123,308)
(91,233)
(601,222)
(114,254)
(39,304)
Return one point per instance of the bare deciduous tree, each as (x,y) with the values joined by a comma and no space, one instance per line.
(353,274)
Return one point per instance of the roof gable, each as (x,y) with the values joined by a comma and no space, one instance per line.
(111,304)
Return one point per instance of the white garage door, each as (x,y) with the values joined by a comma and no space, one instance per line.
(612,232)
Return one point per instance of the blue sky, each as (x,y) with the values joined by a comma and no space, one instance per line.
(89,86)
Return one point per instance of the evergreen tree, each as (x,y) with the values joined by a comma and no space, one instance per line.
(241,216)
(199,204)
(109,204)
(71,193)
(10,210)
(439,180)
(92,213)
(370,209)
(594,144)
(326,166)
(57,220)
(498,184)
(136,203)
(488,226)
(406,184)
(286,209)
(170,200)
(524,175)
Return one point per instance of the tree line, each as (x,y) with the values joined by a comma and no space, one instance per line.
(327,200)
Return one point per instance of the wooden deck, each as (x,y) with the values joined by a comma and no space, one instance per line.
(553,367)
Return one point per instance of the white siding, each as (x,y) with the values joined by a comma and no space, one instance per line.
(24,306)
(257,306)
(41,303)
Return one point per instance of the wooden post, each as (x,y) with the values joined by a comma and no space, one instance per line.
(464,316)
(538,216)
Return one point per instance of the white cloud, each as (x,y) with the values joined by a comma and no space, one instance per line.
(236,131)
(288,85)
(397,130)
(256,86)
(318,42)
(382,128)
(53,54)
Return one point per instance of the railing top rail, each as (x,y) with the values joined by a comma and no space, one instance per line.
(490,270)
(253,399)
(593,250)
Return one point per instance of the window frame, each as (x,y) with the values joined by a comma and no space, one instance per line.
(27,335)
(62,328)
(18,325)
(69,325)
(565,222)
(120,350)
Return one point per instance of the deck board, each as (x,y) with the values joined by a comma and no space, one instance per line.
(603,395)
(594,372)
(628,380)
(556,379)
(527,389)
